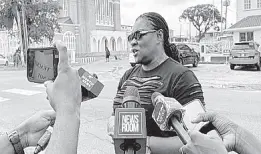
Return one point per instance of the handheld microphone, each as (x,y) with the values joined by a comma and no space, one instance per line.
(43,142)
(130,134)
(168,114)
(90,85)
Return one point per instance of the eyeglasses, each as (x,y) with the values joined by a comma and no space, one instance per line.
(138,34)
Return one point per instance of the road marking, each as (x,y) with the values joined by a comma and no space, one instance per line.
(22,92)
(247,91)
(3,99)
(39,86)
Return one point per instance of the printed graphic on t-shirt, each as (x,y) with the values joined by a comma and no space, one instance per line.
(146,87)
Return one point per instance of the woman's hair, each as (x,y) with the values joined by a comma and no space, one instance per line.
(158,22)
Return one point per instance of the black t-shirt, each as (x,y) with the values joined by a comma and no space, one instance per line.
(170,79)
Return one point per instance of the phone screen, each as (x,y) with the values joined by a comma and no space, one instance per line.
(193,108)
(42,64)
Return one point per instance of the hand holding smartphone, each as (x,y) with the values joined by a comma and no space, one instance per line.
(42,64)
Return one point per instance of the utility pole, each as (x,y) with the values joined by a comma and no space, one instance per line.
(226,4)
(24,30)
(213,19)
(221,16)
(190,37)
(180,31)
(19,28)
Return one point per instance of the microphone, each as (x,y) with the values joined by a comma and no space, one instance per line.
(168,114)
(43,142)
(90,85)
(130,134)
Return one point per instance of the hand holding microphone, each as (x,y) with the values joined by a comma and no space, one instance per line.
(130,135)
(235,138)
(203,144)
(168,115)
(43,142)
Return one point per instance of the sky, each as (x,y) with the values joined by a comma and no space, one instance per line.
(170,10)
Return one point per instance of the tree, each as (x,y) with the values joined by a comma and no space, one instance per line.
(203,17)
(41,18)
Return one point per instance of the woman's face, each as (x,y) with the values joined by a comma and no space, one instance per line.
(143,41)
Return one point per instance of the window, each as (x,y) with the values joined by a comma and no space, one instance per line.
(96,10)
(242,37)
(258,3)
(247,36)
(65,8)
(247,4)
(250,36)
(69,39)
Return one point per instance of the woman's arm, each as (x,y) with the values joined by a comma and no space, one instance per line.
(164,145)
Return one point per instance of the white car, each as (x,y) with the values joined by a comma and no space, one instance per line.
(132,59)
(3,60)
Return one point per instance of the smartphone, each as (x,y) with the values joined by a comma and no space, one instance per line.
(192,109)
(42,64)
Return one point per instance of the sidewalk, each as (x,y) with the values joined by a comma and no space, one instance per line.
(74,65)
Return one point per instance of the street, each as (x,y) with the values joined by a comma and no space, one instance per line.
(234,94)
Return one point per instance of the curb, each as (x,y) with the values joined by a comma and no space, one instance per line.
(86,62)
(212,63)
(8,68)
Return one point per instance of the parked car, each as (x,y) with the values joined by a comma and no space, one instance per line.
(245,54)
(132,59)
(188,55)
(3,60)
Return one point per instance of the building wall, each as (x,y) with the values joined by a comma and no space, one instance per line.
(73,11)
(109,28)
(8,44)
(236,37)
(116,40)
(95,15)
(242,13)
(257,36)
(117,15)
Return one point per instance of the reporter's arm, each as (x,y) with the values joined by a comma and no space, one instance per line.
(167,145)
(65,97)
(5,145)
(248,143)
(64,139)
(29,131)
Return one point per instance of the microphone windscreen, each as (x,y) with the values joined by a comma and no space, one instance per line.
(131,91)
(131,94)
(153,97)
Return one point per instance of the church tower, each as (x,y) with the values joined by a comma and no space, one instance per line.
(117,15)
(87,23)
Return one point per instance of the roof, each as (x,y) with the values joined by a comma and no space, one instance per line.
(65,20)
(250,21)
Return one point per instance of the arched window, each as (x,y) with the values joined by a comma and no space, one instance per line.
(69,40)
